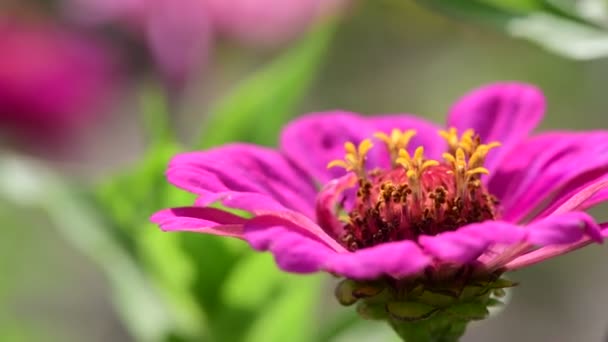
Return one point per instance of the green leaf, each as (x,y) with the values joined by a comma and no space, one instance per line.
(29,184)
(577,31)
(258,106)
(289,317)
(251,282)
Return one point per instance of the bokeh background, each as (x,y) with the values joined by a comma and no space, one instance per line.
(385,56)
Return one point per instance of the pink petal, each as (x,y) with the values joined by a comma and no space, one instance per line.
(314,140)
(544,164)
(328,199)
(296,250)
(504,112)
(201,220)
(179,36)
(553,251)
(395,259)
(245,177)
(470,242)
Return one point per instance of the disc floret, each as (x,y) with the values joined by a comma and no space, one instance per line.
(416,195)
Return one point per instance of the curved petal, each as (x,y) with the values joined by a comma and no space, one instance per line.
(314,140)
(330,199)
(543,164)
(504,112)
(201,220)
(298,251)
(294,250)
(245,177)
(580,198)
(553,251)
(470,242)
(396,259)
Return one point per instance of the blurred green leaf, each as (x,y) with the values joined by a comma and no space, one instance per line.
(258,106)
(573,29)
(30,184)
(240,291)
(289,316)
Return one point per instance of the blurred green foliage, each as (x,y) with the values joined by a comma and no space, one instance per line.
(573,29)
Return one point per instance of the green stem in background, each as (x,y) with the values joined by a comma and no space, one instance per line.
(155,113)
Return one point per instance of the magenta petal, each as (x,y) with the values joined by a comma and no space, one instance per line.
(293,250)
(243,176)
(543,164)
(552,251)
(468,243)
(201,220)
(563,229)
(314,140)
(296,250)
(504,112)
(580,198)
(329,200)
(396,259)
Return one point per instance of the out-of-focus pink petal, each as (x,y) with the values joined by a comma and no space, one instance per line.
(179,35)
(245,177)
(53,82)
(504,112)
(201,220)
(396,259)
(267,22)
(544,164)
(470,242)
(314,140)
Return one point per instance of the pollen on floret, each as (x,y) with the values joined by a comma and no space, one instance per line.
(416,195)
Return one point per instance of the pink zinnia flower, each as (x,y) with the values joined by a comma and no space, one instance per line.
(52,81)
(177,33)
(407,208)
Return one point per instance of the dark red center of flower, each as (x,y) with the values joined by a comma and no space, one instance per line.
(417,196)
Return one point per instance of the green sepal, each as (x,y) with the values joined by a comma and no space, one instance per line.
(468,311)
(349,291)
(372,311)
(410,311)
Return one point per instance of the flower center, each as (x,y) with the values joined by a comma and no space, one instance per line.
(416,196)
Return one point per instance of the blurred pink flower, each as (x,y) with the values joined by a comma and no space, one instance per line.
(176,32)
(52,81)
(179,33)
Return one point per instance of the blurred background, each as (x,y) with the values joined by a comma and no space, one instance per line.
(90,88)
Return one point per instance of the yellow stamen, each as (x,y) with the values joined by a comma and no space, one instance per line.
(354,159)
(414,167)
(397,140)
(478,156)
(451,137)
